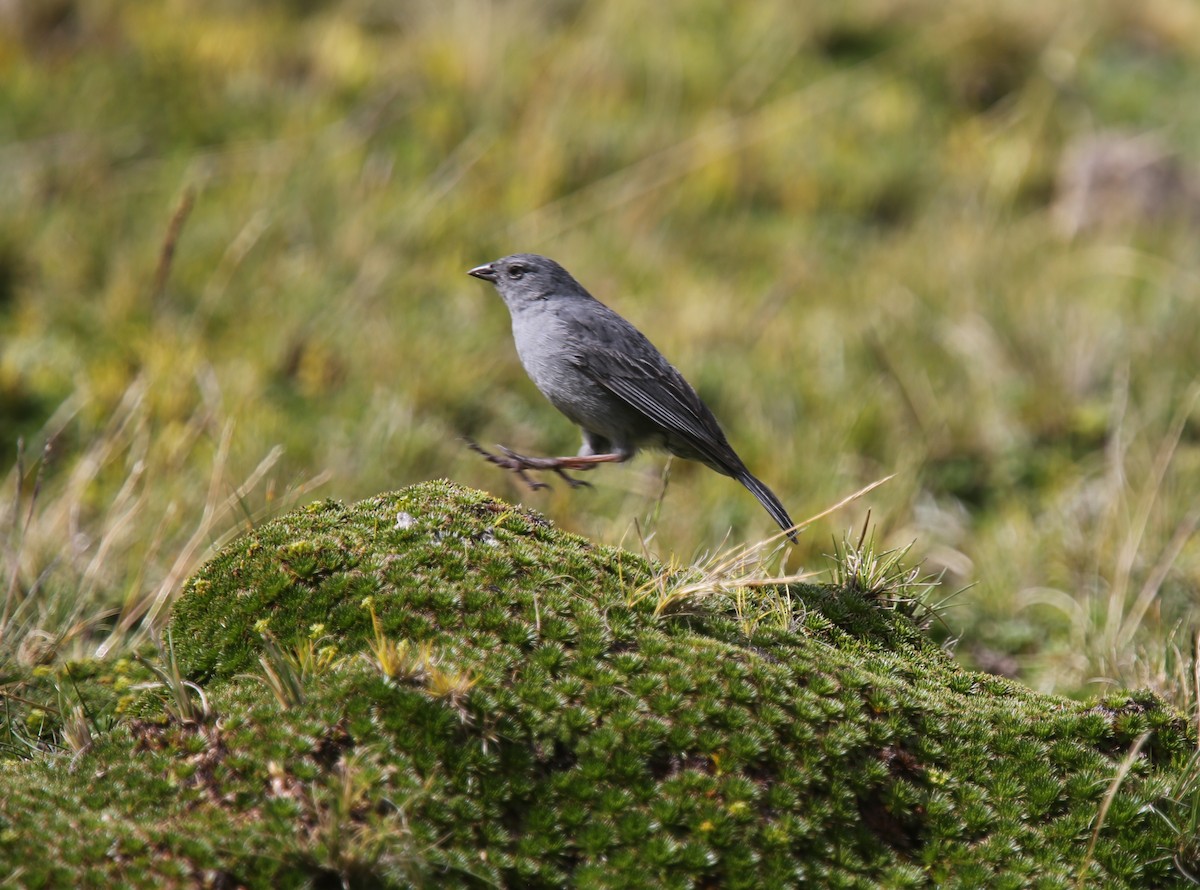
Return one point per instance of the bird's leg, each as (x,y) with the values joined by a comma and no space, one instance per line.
(521,464)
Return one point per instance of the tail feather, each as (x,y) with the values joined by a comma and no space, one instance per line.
(767,498)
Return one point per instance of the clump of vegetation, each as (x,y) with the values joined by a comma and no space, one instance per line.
(577,734)
(247,285)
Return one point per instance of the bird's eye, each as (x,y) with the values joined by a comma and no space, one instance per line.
(516,271)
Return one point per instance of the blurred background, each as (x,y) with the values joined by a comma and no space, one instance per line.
(957,243)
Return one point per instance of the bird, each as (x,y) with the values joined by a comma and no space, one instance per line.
(608,379)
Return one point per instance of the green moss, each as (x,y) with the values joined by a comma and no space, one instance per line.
(600,745)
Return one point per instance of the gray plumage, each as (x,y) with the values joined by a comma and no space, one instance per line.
(607,378)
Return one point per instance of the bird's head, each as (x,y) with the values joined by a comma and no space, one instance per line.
(526,277)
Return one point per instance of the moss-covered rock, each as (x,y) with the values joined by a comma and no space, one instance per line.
(542,725)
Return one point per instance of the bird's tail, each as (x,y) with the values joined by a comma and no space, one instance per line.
(767,498)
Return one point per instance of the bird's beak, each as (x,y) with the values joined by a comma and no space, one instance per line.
(486,272)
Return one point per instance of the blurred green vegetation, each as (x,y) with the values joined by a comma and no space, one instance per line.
(227,228)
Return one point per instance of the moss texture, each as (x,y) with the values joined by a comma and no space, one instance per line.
(589,741)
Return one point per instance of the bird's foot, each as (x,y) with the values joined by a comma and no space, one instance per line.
(521,465)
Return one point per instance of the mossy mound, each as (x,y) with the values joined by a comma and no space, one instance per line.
(562,732)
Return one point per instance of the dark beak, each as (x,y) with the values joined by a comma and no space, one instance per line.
(486,272)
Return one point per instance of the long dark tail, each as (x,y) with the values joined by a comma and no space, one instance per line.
(767,498)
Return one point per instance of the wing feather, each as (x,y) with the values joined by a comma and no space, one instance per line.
(658,391)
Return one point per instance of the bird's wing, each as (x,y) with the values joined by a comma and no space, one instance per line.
(652,386)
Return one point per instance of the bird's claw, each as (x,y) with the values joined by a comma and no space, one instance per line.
(571,480)
(522,464)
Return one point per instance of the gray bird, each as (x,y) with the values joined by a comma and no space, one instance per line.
(607,378)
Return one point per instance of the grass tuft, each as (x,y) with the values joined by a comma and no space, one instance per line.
(186,701)
(859,567)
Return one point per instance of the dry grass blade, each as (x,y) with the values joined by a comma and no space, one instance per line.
(216,508)
(20,529)
(170,240)
(735,571)
(1149,591)
(866,489)
(1134,540)
(1102,813)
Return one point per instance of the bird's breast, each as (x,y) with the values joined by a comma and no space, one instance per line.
(551,359)
(543,348)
